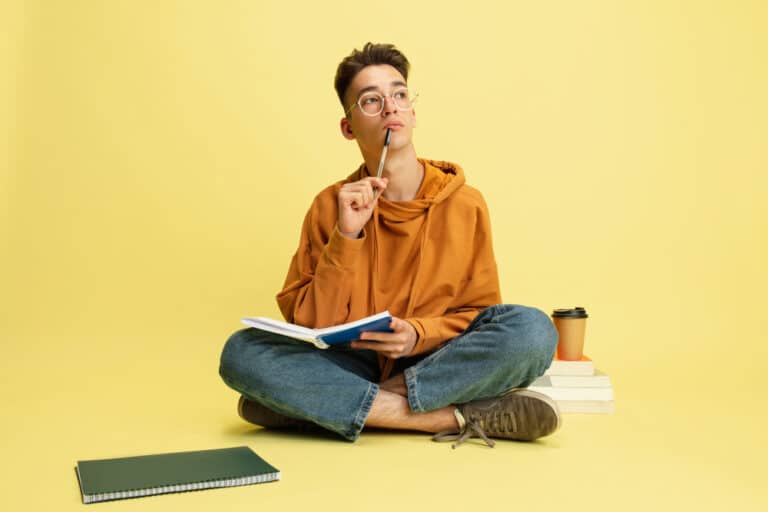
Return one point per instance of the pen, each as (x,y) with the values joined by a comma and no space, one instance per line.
(383,157)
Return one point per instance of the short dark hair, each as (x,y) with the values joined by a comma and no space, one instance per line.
(371,55)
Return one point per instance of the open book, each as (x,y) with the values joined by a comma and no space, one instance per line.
(327,336)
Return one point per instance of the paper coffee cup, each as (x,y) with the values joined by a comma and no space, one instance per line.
(571,325)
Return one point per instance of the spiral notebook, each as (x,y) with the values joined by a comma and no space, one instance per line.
(146,475)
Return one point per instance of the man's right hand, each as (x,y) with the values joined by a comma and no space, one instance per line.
(356,201)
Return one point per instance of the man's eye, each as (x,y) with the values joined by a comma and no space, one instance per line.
(370,100)
(401,95)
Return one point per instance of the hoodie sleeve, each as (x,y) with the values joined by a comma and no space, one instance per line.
(319,283)
(479,289)
(435,331)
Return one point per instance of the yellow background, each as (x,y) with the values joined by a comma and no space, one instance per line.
(161,156)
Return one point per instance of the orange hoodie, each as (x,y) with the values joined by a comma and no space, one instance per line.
(429,261)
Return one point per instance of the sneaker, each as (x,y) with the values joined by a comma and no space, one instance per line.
(254,412)
(521,414)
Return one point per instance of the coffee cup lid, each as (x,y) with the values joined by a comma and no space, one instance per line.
(577,312)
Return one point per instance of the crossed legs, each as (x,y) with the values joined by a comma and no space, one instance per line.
(503,348)
(391,410)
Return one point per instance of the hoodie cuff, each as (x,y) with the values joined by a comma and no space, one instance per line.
(342,251)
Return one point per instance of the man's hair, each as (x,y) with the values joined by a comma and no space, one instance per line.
(371,54)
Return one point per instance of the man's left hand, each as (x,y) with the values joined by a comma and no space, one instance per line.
(391,344)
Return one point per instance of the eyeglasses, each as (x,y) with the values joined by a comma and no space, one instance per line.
(372,103)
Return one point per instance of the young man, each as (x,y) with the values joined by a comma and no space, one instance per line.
(416,242)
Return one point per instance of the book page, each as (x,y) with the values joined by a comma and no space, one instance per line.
(280,327)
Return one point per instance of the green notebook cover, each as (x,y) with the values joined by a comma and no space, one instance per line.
(132,477)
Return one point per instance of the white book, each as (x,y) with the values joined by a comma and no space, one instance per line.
(573,394)
(560,367)
(578,400)
(586,407)
(598,380)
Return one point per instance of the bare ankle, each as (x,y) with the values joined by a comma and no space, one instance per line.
(390,410)
(395,385)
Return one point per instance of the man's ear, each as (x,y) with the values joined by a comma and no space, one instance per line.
(346,129)
(413,113)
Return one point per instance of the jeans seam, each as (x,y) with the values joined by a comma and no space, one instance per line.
(492,311)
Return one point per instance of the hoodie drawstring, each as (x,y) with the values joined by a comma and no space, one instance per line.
(376,265)
(386,363)
(412,295)
(441,180)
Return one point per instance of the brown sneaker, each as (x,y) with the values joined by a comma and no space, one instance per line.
(521,414)
(254,412)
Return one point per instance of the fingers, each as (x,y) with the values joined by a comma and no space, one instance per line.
(383,337)
(391,350)
(399,325)
(356,196)
(357,199)
(392,344)
(379,183)
(361,193)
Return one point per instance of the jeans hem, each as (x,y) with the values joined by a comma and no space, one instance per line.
(359,422)
(413,395)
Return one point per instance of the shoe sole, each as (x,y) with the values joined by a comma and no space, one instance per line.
(240,405)
(267,418)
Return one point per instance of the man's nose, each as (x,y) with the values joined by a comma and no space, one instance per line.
(389,105)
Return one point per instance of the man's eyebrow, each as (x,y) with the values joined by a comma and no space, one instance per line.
(376,88)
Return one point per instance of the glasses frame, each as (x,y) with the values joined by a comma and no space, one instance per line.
(384,99)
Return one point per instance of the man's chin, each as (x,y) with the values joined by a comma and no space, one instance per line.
(399,143)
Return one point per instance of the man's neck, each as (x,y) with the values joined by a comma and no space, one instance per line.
(404,171)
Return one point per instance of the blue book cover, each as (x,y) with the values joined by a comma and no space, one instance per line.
(334,336)
(325,337)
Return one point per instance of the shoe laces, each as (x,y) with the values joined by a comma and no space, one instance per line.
(495,422)
(471,430)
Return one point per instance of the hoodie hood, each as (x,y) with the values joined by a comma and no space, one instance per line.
(441,179)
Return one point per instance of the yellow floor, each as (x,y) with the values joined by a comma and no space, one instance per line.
(665,448)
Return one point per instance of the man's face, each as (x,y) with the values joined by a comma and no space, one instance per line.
(369,131)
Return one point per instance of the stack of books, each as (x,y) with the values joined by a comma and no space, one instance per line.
(576,386)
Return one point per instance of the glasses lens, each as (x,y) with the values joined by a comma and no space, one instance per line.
(370,103)
(403,98)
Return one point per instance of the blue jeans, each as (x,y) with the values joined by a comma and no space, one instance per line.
(505,346)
